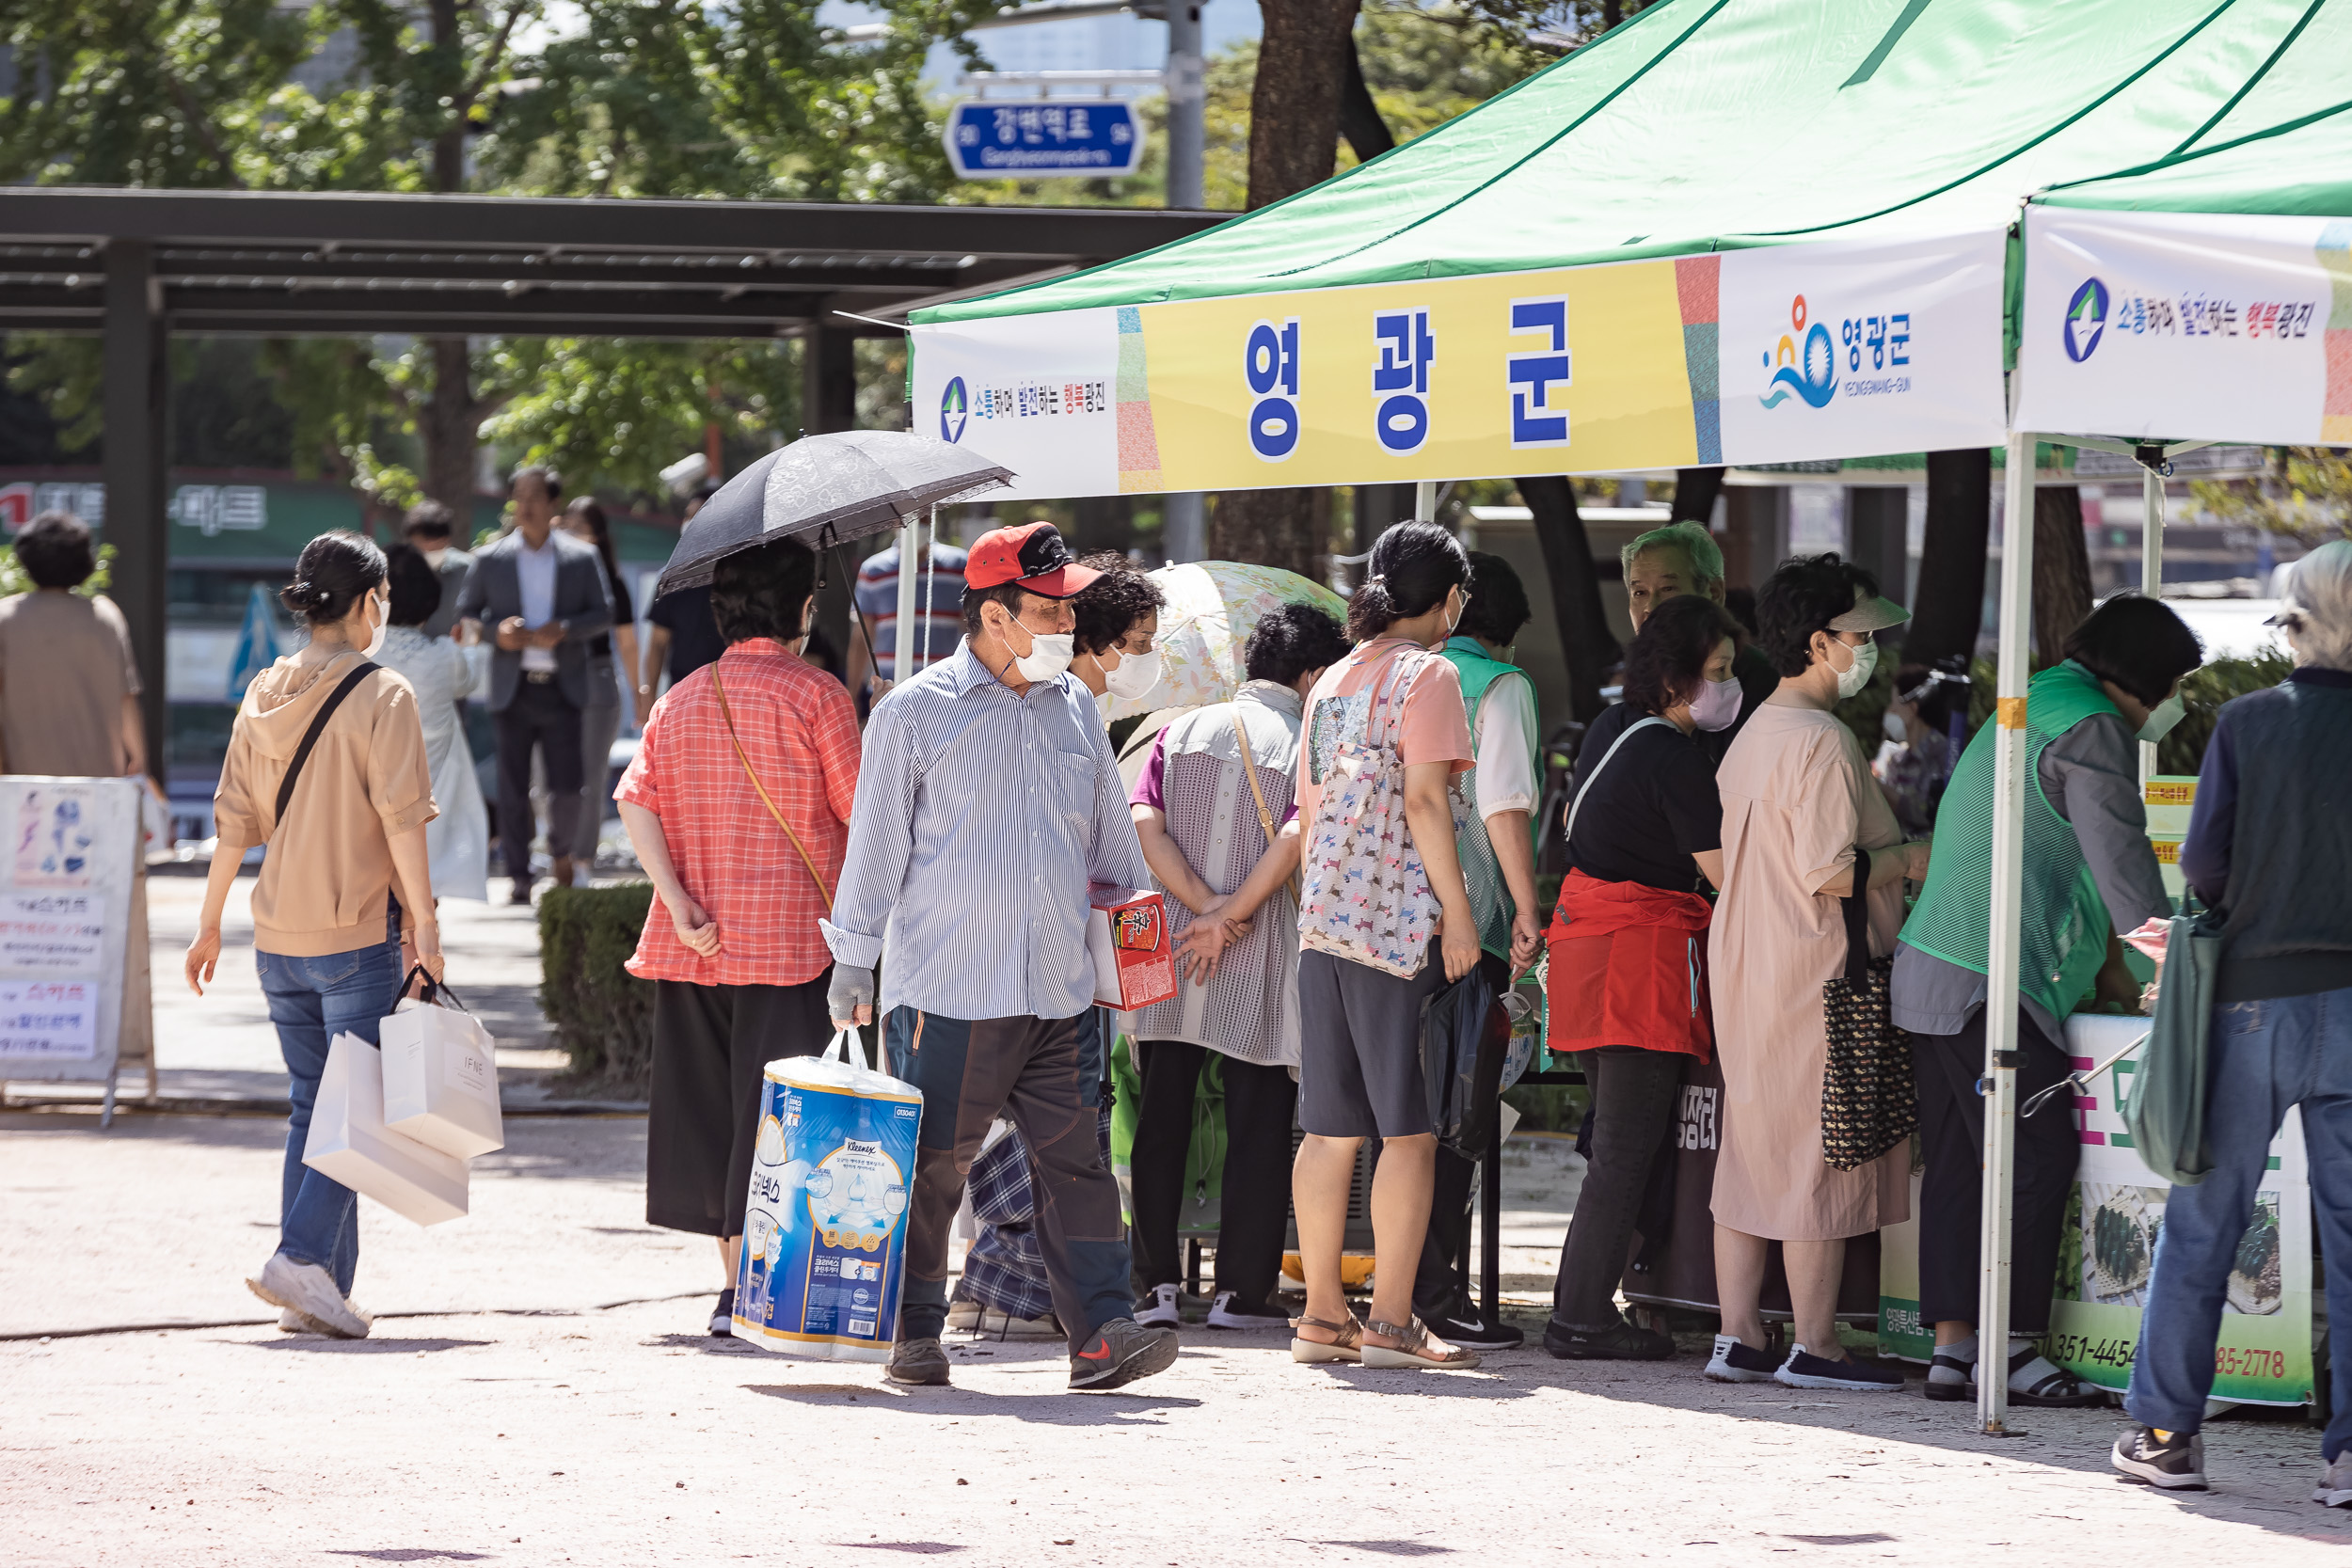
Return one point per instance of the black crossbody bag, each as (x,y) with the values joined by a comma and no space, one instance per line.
(310,739)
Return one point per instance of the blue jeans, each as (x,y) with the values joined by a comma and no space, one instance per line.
(2267,1056)
(311,1000)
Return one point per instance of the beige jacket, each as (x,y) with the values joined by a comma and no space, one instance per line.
(326,879)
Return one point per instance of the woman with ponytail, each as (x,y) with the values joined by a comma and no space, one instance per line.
(327,767)
(1387,720)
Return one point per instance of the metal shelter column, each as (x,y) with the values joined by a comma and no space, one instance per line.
(829,403)
(1999,1083)
(2151,574)
(134,440)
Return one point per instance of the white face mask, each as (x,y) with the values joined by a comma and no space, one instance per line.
(1854,676)
(2162,717)
(434,558)
(383,626)
(1133,675)
(1717,705)
(1896,731)
(1049,654)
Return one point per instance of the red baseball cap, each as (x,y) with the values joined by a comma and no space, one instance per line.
(1032,555)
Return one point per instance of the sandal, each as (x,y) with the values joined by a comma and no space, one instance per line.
(1411,1348)
(1348,1345)
(2059,1390)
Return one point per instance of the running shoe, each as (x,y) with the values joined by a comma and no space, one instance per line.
(920,1363)
(2175,1461)
(1121,1351)
(1230,1311)
(1805,1370)
(1457,1325)
(1157,1309)
(2335,1486)
(723,1315)
(1734,1362)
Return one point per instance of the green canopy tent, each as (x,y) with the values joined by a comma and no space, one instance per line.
(1728,231)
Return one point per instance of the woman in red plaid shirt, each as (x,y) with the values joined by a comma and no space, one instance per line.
(738,804)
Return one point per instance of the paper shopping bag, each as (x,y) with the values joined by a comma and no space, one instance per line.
(350,1144)
(441,1076)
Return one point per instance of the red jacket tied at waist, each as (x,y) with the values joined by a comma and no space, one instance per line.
(1629,967)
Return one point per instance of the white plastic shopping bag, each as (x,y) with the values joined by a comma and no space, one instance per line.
(350,1144)
(825,1236)
(441,1076)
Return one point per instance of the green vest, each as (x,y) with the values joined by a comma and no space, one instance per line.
(2064,923)
(1481,873)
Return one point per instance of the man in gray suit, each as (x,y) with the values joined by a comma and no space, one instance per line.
(543,595)
(428,527)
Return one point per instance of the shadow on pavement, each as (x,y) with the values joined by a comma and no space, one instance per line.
(317,1344)
(919,1549)
(406,1554)
(1117,1407)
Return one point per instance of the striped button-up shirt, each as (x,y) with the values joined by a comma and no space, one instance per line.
(981,818)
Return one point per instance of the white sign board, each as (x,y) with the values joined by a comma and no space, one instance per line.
(2185,327)
(66,882)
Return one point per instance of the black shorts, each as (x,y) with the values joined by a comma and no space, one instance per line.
(711,1045)
(1359,1047)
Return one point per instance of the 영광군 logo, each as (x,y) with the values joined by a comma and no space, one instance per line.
(1804,361)
(2086,319)
(953,410)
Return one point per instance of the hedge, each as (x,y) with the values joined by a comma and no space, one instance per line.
(600,1012)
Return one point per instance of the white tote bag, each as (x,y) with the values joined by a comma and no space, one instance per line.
(441,1076)
(350,1144)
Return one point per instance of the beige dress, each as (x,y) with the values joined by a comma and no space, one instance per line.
(1797,797)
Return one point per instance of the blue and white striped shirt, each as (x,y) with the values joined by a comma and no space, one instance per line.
(981,818)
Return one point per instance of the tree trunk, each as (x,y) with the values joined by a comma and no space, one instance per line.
(448,148)
(450,425)
(1295,102)
(2062,568)
(1695,490)
(1271,528)
(1950,612)
(1367,133)
(1584,639)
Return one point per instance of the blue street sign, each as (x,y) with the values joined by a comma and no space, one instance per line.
(1002,139)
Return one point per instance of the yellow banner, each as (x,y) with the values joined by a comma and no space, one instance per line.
(1466,375)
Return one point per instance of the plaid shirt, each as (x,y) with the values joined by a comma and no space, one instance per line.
(800,732)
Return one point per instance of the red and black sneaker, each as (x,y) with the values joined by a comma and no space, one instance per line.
(1121,1351)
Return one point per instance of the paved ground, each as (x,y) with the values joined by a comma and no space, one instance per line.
(529,1419)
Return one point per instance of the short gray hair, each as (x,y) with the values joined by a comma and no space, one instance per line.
(1697,545)
(2317,610)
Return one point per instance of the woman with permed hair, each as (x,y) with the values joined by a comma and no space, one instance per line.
(1116,655)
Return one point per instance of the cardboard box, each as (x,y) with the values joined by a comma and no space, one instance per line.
(1135,964)
(350,1144)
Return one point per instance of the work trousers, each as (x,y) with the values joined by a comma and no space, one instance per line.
(599,724)
(2266,1056)
(1034,1072)
(1441,1284)
(1254,1189)
(1634,1090)
(712,1046)
(1951,1194)
(539,716)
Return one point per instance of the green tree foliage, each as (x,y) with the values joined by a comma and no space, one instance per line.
(2307,496)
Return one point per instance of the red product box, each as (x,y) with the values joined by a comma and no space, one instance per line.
(1127,935)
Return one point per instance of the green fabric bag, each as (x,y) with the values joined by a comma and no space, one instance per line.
(1204,1161)
(2166,1108)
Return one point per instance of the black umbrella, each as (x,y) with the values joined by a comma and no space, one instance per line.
(825,490)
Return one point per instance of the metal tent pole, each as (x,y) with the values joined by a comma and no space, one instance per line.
(910,553)
(2151,575)
(1426,500)
(1999,1083)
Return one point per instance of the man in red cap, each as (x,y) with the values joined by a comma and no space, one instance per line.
(988,801)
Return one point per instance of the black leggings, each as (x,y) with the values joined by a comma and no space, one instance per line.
(1253,1206)
(1633,1099)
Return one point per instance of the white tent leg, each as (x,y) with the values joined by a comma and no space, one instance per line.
(910,553)
(2000,1000)
(2151,575)
(1426,500)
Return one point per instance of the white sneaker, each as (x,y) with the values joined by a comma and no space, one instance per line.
(1226,1311)
(1156,1307)
(309,1291)
(1733,1362)
(2335,1487)
(291,1322)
